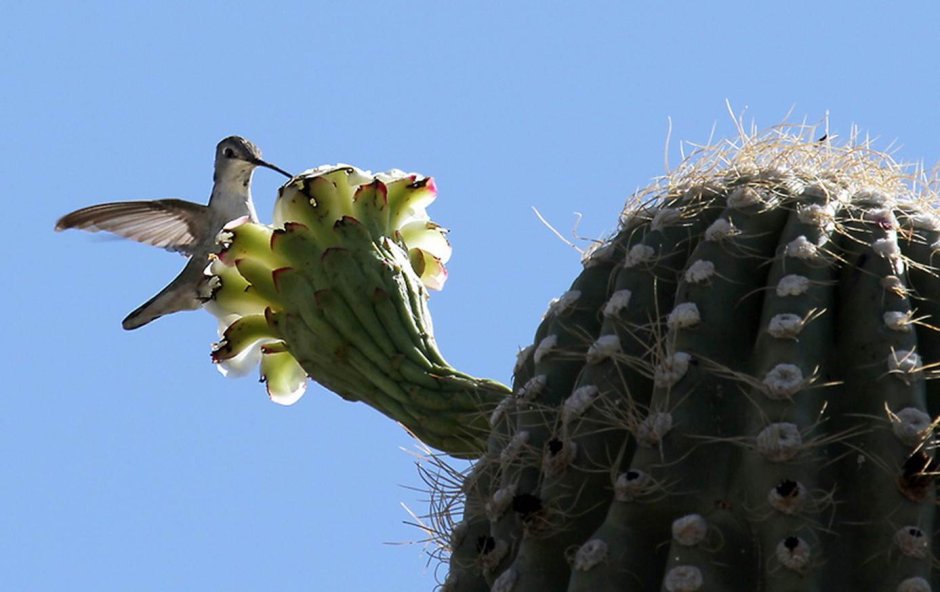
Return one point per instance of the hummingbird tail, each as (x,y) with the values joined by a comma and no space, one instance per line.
(161,304)
(183,293)
(142,315)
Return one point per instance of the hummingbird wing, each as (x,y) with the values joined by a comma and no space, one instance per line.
(171,224)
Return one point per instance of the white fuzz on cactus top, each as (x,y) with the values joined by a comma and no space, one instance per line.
(664,218)
(788,497)
(801,248)
(684,578)
(639,254)
(785,325)
(700,271)
(689,530)
(514,447)
(532,387)
(671,369)
(898,320)
(817,215)
(779,442)
(783,381)
(925,221)
(746,196)
(578,402)
(618,301)
(605,347)
(792,285)
(500,501)
(911,426)
(683,316)
(916,584)
(719,230)
(545,347)
(632,484)
(912,541)
(522,356)
(590,554)
(500,412)
(564,302)
(903,362)
(794,553)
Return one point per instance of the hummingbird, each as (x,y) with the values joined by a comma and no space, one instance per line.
(182,226)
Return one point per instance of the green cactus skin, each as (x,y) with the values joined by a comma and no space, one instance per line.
(733,395)
(762,419)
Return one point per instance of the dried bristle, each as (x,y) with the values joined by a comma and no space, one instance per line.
(812,304)
(791,151)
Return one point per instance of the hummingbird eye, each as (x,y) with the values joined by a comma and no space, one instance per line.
(228,153)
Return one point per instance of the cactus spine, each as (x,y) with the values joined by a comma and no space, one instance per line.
(732,395)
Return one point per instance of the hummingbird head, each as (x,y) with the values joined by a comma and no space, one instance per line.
(237,157)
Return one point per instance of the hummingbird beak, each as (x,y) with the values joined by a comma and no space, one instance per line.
(259,162)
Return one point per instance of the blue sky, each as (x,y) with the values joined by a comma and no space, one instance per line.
(128,462)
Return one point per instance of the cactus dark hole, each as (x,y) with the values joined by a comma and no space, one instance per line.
(526,505)
(555,446)
(485,544)
(787,488)
(917,476)
(791,542)
(919,465)
(633,475)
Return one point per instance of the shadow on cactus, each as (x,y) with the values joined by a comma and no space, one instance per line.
(733,395)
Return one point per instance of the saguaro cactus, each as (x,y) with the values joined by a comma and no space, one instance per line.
(733,395)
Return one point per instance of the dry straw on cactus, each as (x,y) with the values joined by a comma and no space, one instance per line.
(733,395)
